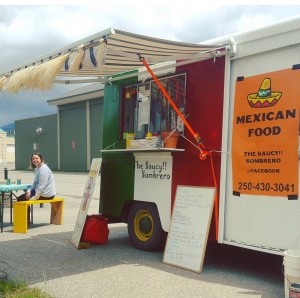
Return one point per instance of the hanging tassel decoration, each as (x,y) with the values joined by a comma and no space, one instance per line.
(45,74)
(39,77)
(18,80)
(33,78)
(77,60)
(3,82)
(101,52)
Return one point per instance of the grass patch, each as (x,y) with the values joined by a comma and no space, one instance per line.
(10,289)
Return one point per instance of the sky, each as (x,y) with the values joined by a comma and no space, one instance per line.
(29,29)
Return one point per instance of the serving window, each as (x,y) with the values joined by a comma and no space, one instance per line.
(146,109)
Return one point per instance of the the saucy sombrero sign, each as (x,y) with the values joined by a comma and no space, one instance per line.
(265,134)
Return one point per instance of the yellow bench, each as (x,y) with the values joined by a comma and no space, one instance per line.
(21,213)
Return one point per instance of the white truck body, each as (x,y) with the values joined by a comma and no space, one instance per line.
(259,222)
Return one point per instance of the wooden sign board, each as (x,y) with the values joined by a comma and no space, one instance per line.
(85,203)
(190,222)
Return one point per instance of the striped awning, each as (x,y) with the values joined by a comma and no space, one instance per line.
(99,58)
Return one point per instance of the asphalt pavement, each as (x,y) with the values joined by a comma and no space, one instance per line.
(46,259)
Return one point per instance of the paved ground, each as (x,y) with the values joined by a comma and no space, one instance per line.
(45,258)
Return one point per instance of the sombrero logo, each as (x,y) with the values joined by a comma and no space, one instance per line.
(264,98)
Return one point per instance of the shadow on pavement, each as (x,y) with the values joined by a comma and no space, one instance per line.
(45,257)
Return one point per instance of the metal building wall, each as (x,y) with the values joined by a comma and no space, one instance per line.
(72,118)
(27,141)
(80,127)
(80,137)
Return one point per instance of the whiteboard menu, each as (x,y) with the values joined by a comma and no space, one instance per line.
(190,222)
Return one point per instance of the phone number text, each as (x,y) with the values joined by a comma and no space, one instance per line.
(280,187)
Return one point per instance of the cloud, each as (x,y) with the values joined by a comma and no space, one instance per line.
(29,31)
(27,104)
(229,19)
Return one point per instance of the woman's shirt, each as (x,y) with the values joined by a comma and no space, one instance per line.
(43,184)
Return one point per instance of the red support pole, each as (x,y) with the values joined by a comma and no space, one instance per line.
(203,153)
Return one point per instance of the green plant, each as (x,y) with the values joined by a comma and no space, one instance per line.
(10,289)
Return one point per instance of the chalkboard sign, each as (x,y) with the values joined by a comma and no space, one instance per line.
(190,222)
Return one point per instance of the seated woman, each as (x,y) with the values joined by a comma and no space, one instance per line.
(43,186)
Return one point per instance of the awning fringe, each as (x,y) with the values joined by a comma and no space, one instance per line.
(101,53)
(3,82)
(39,77)
(77,60)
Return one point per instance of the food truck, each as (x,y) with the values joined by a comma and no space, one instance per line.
(233,105)
(243,105)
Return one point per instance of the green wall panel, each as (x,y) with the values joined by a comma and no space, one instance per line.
(111,133)
(73,136)
(96,127)
(117,182)
(26,137)
(73,149)
(117,178)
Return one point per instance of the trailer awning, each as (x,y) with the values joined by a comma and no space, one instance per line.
(100,57)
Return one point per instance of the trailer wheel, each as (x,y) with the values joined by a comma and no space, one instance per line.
(144,227)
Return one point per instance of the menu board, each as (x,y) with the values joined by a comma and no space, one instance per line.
(190,222)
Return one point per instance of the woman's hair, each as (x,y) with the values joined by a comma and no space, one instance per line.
(39,155)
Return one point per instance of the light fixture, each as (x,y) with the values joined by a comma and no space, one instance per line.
(39,131)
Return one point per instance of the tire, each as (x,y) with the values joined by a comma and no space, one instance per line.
(144,227)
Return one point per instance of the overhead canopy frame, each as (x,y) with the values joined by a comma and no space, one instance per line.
(102,57)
